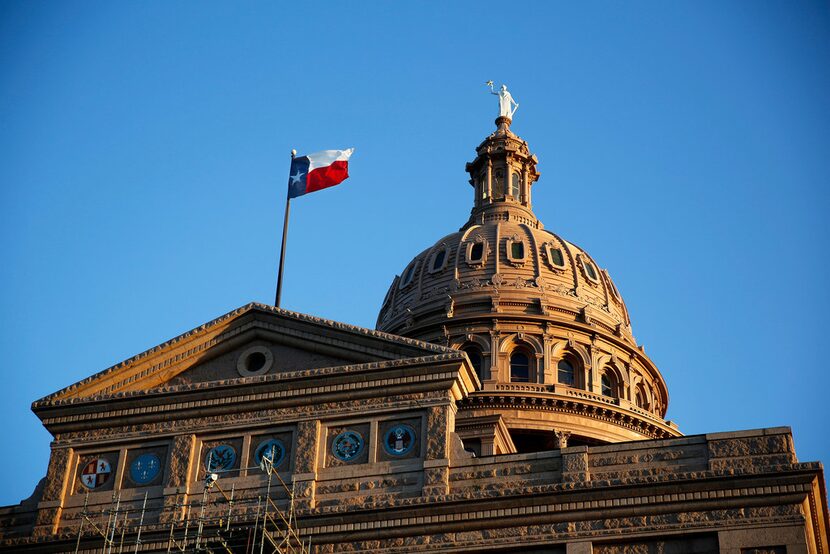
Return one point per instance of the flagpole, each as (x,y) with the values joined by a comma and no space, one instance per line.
(284,238)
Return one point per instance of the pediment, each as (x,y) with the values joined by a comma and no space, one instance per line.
(248,343)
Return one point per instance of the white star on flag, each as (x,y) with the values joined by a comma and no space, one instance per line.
(297,177)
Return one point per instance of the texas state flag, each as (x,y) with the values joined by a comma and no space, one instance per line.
(318,171)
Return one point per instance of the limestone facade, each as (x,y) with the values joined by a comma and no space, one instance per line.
(461,432)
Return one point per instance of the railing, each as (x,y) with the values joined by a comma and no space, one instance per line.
(563,390)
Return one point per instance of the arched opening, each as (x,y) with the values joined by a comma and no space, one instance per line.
(519,367)
(640,398)
(476,359)
(515,185)
(566,374)
(607,385)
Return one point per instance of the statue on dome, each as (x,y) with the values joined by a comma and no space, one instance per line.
(507,106)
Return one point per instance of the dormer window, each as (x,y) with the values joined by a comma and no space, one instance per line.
(439,260)
(476,252)
(612,287)
(589,269)
(555,257)
(515,250)
(408,274)
(515,185)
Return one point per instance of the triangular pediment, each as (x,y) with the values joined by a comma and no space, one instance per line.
(250,343)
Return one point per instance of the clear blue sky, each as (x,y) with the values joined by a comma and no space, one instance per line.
(144,152)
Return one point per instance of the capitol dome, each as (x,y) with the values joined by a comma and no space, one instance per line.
(543,324)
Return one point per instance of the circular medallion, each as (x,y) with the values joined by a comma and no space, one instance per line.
(220,458)
(145,468)
(347,445)
(95,473)
(272,450)
(399,440)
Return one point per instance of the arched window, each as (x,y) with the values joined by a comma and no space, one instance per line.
(607,385)
(519,367)
(515,185)
(639,400)
(482,185)
(477,359)
(566,373)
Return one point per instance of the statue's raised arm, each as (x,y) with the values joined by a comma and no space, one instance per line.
(507,106)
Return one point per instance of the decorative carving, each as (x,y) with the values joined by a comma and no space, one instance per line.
(306,446)
(575,465)
(561,438)
(437,433)
(750,446)
(57,474)
(180,456)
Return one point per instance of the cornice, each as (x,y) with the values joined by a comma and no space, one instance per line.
(296,386)
(192,336)
(580,403)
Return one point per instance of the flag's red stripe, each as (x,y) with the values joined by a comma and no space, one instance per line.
(324,177)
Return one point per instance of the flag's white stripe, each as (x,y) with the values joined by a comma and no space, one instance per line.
(328,157)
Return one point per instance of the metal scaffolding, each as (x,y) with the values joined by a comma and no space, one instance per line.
(219,522)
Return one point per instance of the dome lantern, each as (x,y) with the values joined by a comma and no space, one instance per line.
(501,175)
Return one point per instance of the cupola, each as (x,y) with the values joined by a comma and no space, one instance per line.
(502,175)
(543,325)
